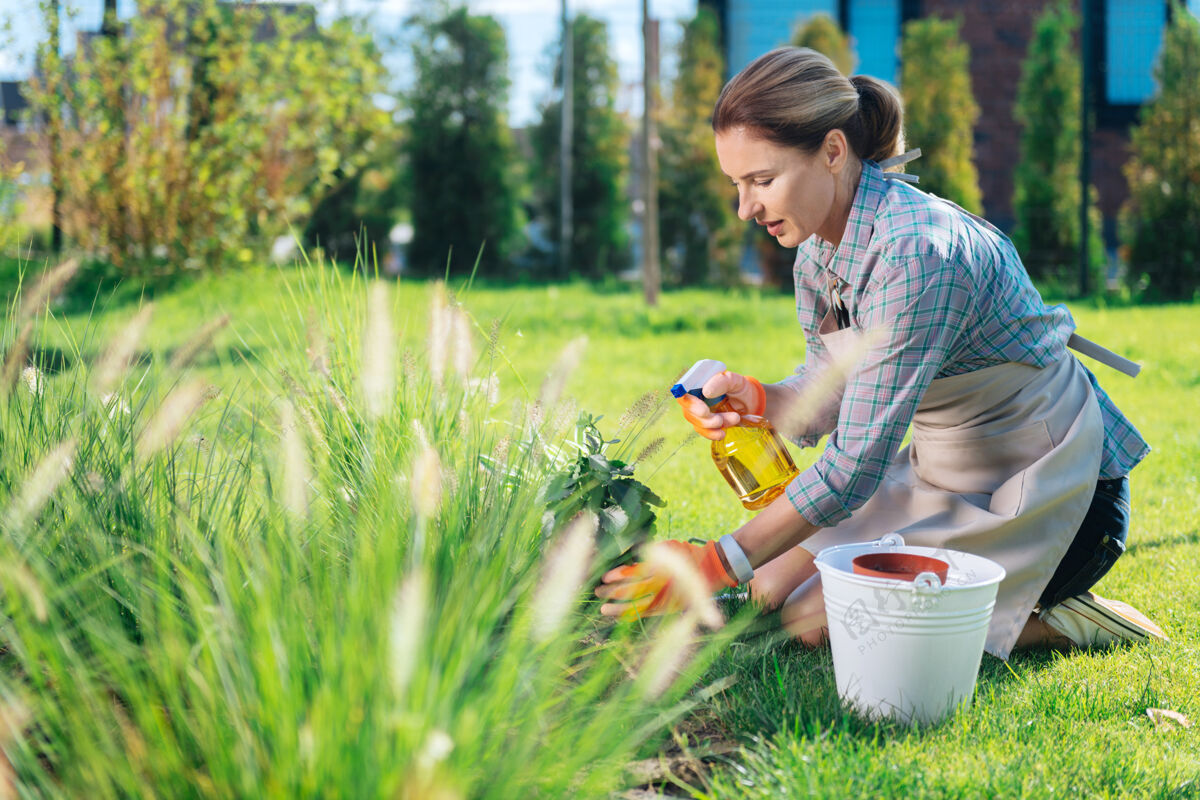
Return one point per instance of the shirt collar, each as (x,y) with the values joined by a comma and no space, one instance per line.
(849,258)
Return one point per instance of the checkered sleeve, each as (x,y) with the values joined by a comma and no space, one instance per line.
(814,408)
(917,309)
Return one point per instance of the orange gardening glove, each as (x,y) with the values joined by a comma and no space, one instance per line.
(743,395)
(673,576)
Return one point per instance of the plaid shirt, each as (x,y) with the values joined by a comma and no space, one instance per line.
(951,293)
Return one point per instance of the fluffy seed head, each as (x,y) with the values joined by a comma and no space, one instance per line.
(673,645)
(441,329)
(47,476)
(318,345)
(47,287)
(200,340)
(686,583)
(15,358)
(426,483)
(822,389)
(556,380)
(565,570)
(169,419)
(120,351)
(379,370)
(407,630)
(464,350)
(15,575)
(650,450)
(296,469)
(34,380)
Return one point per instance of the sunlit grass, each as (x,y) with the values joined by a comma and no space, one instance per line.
(220,579)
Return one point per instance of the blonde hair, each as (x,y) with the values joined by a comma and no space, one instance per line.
(794,97)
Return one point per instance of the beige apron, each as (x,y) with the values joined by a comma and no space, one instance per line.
(1003,463)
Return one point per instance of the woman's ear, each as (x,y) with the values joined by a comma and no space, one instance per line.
(836,150)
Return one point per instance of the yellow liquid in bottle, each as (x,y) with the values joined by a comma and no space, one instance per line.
(754,461)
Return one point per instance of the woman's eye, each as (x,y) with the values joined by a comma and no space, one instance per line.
(764,183)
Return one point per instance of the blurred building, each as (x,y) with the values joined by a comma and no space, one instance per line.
(1126,37)
(18,145)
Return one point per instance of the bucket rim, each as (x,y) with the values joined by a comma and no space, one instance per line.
(893,542)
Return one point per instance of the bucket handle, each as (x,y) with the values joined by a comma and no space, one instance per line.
(927,588)
(890,540)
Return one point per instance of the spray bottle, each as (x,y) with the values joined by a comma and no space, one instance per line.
(752,457)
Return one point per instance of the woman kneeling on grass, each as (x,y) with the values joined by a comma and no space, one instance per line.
(1017,454)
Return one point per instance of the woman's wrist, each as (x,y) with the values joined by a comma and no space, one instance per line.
(734,559)
(759,407)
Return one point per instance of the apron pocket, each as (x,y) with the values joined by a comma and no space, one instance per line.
(966,462)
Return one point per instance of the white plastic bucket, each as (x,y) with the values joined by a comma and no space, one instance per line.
(909,650)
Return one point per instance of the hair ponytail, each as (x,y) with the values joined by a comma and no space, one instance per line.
(876,131)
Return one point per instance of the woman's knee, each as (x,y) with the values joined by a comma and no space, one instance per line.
(774,581)
(803,613)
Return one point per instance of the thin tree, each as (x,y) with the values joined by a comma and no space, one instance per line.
(651,263)
(109,24)
(939,108)
(460,150)
(599,157)
(565,136)
(1047,193)
(50,58)
(110,30)
(1160,222)
(700,228)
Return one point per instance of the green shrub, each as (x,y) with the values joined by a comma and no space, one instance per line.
(822,33)
(700,232)
(599,159)
(461,155)
(1047,195)
(203,124)
(939,109)
(1160,222)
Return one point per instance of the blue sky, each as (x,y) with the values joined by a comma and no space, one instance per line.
(531,26)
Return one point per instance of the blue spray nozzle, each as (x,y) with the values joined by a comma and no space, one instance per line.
(678,391)
(694,379)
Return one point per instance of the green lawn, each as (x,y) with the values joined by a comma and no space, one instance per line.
(1041,726)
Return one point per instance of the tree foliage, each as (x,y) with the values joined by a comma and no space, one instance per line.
(1160,223)
(205,129)
(599,157)
(352,221)
(822,33)
(940,109)
(1047,192)
(461,153)
(699,228)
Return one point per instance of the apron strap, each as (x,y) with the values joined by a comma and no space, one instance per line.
(903,158)
(1103,355)
(896,161)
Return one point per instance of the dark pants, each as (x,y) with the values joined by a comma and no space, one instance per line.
(1098,544)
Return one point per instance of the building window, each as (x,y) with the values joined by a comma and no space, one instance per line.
(756,27)
(875,28)
(1133,35)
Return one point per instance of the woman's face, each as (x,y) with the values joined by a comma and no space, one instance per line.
(791,193)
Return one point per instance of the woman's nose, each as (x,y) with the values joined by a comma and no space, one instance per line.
(747,207)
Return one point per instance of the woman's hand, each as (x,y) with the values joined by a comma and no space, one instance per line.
(675,575)
(745,395)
